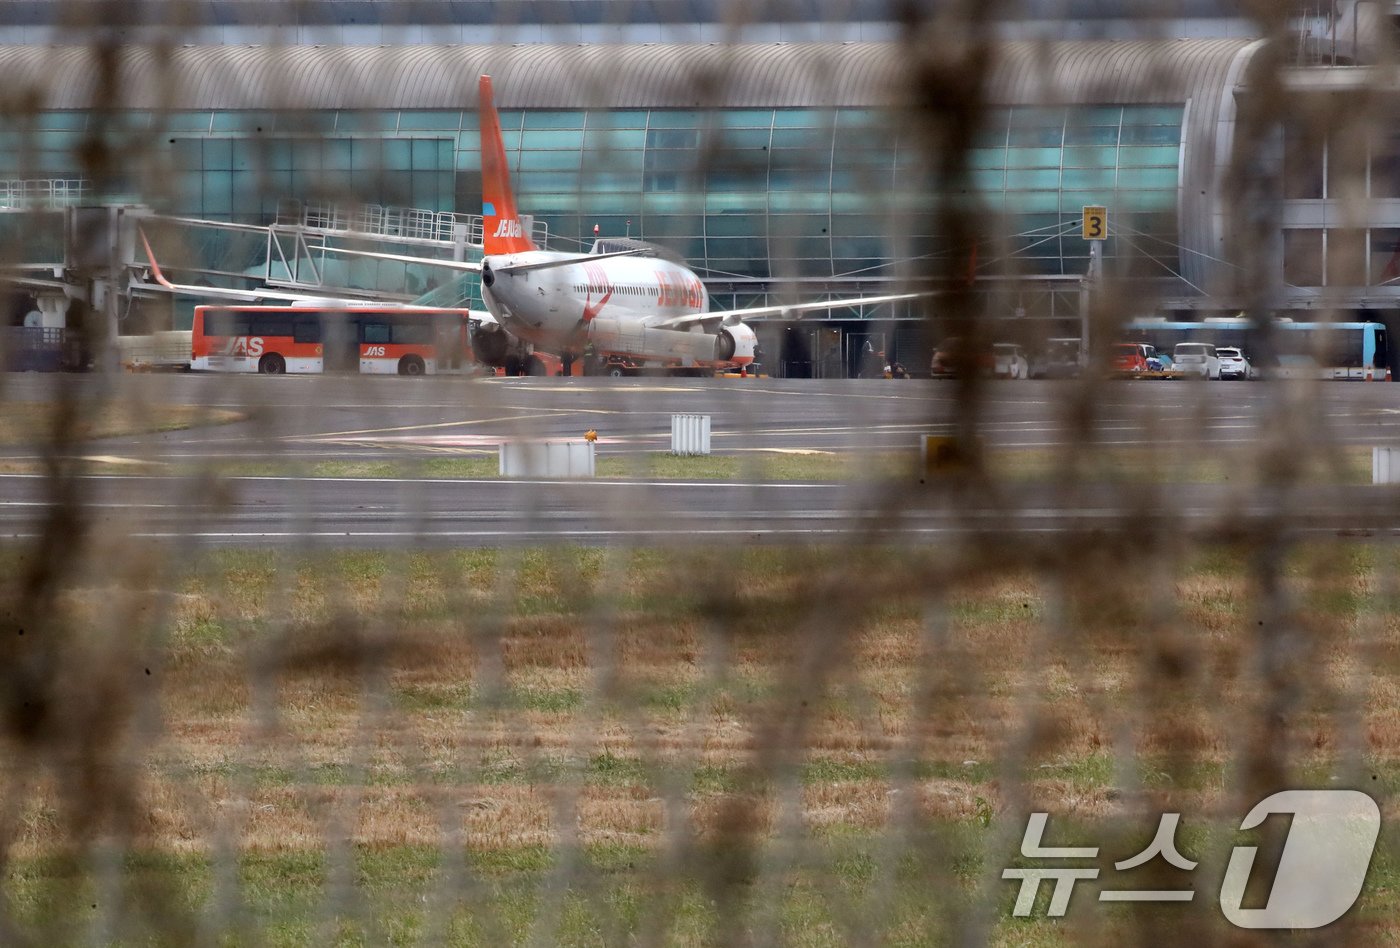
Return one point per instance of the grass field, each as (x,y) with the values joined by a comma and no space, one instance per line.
(582,746)
(32,423)
(1350,465)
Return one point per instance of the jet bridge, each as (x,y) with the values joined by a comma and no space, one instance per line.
(368,252)
(116,252)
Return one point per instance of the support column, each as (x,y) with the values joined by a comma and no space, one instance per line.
(1087,289)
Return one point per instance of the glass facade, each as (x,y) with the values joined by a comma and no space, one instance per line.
(1341,256)
(748,192)
(1336,179)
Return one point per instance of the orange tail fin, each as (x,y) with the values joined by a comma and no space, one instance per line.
(501,228)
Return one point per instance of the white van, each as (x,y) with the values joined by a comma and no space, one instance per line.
(1195,359)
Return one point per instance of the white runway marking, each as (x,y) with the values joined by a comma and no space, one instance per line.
(462,423)
(120,461)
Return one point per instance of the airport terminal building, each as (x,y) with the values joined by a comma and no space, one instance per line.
(774,168)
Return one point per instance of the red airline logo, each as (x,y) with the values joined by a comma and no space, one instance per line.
(673,289)
(677,290)
(597,282)
(243,346)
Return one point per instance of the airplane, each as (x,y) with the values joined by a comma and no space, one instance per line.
(627,300)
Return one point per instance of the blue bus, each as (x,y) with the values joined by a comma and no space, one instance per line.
(1303,350)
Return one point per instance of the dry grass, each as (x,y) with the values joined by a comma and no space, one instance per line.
(621,702)
(25,423)
(1095,464)
(535,693)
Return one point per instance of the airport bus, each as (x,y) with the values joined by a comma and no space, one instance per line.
(271,340)
(1356,350)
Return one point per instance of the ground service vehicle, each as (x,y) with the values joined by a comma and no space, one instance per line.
(1351,350)
(1156,361)
(1010,362)
(272,340)
(956,357)
(1059,359)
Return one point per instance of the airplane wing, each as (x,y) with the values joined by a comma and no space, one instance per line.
(565,262)
(783,309)
(240,296)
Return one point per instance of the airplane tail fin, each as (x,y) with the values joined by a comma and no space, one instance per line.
(502,231)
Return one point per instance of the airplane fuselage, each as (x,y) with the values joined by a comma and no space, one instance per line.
(603,301)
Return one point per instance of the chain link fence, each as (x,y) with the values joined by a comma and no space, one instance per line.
(286,661)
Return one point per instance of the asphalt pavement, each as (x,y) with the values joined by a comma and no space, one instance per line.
(176,485)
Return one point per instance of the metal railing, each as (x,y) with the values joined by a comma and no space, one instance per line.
(406,223)
(31,193)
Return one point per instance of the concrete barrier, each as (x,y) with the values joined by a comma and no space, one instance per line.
(547,459)
(690,434)
(1385,465)
(168,349)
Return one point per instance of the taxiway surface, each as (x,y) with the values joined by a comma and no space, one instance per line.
(193,484)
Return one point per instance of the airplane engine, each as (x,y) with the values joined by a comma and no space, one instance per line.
(493,346)
(736,343)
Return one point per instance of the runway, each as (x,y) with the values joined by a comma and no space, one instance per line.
(185,485)
(359,417)
(371,512)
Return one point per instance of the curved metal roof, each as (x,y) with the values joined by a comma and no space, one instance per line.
(626,76)
(492,13)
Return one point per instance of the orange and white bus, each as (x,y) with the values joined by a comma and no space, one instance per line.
(387,340)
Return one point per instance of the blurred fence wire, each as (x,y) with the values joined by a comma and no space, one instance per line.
(284,659)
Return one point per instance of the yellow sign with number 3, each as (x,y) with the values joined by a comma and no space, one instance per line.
(1095,222)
